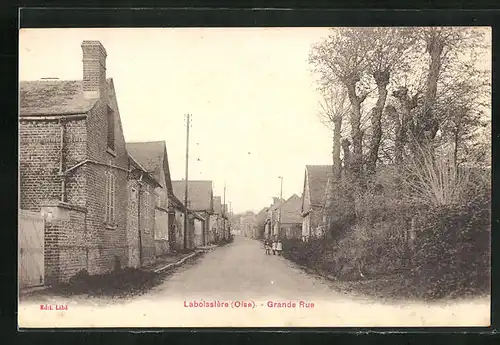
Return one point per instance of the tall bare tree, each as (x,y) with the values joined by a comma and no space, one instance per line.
(334,107)
(343,58)
(387,55)
(444,47)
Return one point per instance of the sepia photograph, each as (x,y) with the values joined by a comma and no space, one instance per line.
(254,177)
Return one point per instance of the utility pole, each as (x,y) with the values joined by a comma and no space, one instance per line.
(230,217)
(281,204)
(188,124)
(224,214)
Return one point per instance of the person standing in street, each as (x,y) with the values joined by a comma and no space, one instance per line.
(279,247)
(267,245)
(274,247)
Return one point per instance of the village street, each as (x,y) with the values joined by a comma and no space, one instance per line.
(241,271)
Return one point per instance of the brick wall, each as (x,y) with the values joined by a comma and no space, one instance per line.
(133,225)
(136,195)
(39,161)
(110,239)
(147,217)
(66,239)
(39,164)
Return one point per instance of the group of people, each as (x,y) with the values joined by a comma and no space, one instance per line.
(275,247)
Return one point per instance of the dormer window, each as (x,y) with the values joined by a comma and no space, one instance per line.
(111,129)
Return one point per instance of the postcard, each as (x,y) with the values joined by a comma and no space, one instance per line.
(254,177)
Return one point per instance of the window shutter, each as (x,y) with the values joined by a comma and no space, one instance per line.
(106,217)
(145,207)
(113,198)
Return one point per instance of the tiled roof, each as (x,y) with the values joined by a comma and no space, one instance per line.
(54,97)
(199,194)
(136,164)
(318,177)
(290,210)
(150,155)
(217,205)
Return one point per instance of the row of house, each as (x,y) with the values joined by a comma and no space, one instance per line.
(283,218)
(106,203)
(298,217)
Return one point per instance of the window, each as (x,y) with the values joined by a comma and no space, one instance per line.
(147,212)
(110,197)
(111,129)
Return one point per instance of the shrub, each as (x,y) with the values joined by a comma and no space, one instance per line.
(452,253)
(121,282)
(305,253)
(448,211)
(437,181)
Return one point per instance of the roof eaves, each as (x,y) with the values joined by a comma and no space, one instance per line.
(55,115)
(137,163)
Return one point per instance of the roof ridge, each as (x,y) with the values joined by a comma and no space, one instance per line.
(50,80)
(145,142)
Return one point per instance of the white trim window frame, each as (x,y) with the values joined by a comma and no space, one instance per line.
(147,211)
(110,199)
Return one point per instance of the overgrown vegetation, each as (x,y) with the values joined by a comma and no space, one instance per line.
(410,200)
(225,241)
(118,283)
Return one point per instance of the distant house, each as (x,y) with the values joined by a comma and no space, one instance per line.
(74,169)
(153,157)
(226,222)
(260,220)
(291,218)
(313,198)
(217,221)
(200,201)
(247,224)
(176,221)
(141,220)
(271,227)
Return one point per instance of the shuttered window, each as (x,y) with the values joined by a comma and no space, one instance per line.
(147,212)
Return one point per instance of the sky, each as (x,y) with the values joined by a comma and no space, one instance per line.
(250,91)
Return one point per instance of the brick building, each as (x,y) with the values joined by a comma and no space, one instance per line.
(200,201)
(271,225)
(291,218)
(74,168)
(141,218)
(153,157)
(216,223)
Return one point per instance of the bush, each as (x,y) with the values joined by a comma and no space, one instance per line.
(308,253)
(371,236)
(452,253)
(121,282)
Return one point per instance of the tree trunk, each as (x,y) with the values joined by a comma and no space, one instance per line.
(407,104)
(382,80)
(347,154)
(427,123)
(398,137)
(356,136)
(336,148)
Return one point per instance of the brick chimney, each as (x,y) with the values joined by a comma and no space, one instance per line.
(94,69)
